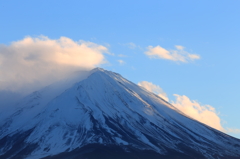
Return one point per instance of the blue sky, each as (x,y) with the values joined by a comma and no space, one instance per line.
(209,29)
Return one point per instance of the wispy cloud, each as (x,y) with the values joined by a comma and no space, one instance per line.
(174,55)
(233,130)
(121,62)
(121,55)
(41,60)
(154,88)
(130,45)
(179,47)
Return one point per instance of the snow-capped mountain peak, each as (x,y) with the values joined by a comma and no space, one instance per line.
(102,108)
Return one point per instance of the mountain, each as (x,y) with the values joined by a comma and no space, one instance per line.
(103,115)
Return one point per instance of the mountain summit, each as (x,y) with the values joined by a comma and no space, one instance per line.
(104,115)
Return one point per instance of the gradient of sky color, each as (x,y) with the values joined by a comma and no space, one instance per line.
(209,29)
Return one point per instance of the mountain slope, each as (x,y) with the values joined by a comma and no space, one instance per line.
(107,113)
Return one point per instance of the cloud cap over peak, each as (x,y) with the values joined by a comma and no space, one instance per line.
(32,62)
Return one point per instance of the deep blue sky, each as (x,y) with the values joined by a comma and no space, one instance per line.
(207,28)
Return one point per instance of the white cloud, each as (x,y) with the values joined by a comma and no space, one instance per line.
(40,61)
(154,88)
(174,55)
(121,62)
(203,113)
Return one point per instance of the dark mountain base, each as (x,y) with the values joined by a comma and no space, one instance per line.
(96,151)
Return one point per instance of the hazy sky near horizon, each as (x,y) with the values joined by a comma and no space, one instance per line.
(186,51)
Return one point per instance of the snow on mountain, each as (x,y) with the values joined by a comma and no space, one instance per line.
(104,108)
